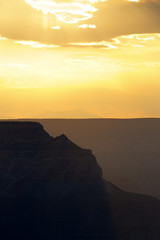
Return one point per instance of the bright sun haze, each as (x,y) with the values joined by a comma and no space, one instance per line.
(101,57)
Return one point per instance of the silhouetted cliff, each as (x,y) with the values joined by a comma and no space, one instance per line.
(124,148)
(52,189)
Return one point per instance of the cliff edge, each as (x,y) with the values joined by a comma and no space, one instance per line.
(50,188)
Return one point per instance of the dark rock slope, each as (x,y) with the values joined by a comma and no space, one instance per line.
(52,189)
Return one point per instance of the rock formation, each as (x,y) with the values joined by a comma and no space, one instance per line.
(51,188)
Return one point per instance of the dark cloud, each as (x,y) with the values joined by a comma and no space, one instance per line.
(19,21)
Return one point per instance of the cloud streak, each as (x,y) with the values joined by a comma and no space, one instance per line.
(132,40)
(36,44)
(84,26)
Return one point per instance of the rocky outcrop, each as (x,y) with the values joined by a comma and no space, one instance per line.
(50,188)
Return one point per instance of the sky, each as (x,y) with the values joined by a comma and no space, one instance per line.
(79,58)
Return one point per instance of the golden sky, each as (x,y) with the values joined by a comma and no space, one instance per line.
(79,58)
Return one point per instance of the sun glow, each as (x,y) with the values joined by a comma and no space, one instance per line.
(96,55)
(65,12)
(133,0)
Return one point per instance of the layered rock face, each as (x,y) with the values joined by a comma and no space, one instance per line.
(52,189)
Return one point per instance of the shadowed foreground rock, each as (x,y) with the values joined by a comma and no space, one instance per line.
(52,189)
